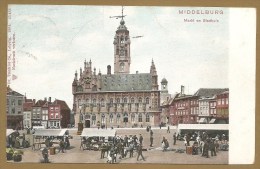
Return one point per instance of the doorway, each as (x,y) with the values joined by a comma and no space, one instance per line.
(87,123)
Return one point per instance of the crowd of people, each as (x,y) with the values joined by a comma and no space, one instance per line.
(203,143)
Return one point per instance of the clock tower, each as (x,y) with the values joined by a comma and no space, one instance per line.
(121,43)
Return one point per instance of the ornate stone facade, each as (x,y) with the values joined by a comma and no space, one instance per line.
(120,99)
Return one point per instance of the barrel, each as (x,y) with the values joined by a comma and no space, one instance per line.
(189,150)
(52,150)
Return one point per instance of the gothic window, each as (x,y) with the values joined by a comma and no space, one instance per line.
(125,100)
(132,100)
(117,51)
(147,117)
(133,117)
(87,102)
(111,101)
(94,120)
(103,119)
(147,100)
(118,118)
(94,102)
(102,103)
(118,100)
(140,119)
(140,100)
(122,66)
(125,117)
(111,118)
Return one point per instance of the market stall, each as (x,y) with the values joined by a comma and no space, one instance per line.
(92,138)
(48,137)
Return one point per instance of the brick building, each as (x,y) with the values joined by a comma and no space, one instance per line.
(222,107)
(27,112)
(59,114)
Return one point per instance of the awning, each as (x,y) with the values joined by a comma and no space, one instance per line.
(50,132)
(95,132)
(202,120)
(212,120)
(9,131)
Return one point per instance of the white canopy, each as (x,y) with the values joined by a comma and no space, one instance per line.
(9,131)
(202,120)
(212,120)
(94,132)
(50,132)
(203,127)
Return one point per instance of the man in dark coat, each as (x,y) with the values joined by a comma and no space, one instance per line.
(140,152)
(151,138)
(174,139)
(141,139)
(206,149)
(212,148)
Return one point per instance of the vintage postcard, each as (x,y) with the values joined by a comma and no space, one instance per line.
(130,84)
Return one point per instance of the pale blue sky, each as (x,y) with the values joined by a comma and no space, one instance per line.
(56,40)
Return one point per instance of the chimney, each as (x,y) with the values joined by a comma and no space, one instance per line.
(108,69)
(182,90)
(34,101)
(49,99)
(137,72)
(45,98)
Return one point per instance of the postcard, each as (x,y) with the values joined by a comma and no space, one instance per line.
(130,84)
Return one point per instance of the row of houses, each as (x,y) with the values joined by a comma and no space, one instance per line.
(207,105)
(23,113)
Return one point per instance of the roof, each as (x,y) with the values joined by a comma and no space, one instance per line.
(27,106)
(39,103)
(92,132)
(50,132)
(164,81)
(209,92)
(63,104)
(12,92)
(126,82)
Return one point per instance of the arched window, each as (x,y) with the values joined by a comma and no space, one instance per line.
(125,117)
(94,120)
(140,100)
(87,102)
(118,118)
(140,118)
(125,100)
(122,66)
(102,103)
(132,100)
(111,118)
(133,117)
(94,102)
(147,100)
(118,100)
(147,117)
(103,119)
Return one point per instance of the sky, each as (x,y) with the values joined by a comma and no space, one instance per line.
(52,42)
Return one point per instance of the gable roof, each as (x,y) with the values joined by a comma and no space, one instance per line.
(27,106)
(209,92)
(63,104)
(39,103)
(11,92)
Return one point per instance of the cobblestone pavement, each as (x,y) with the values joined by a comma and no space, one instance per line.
(152,155)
